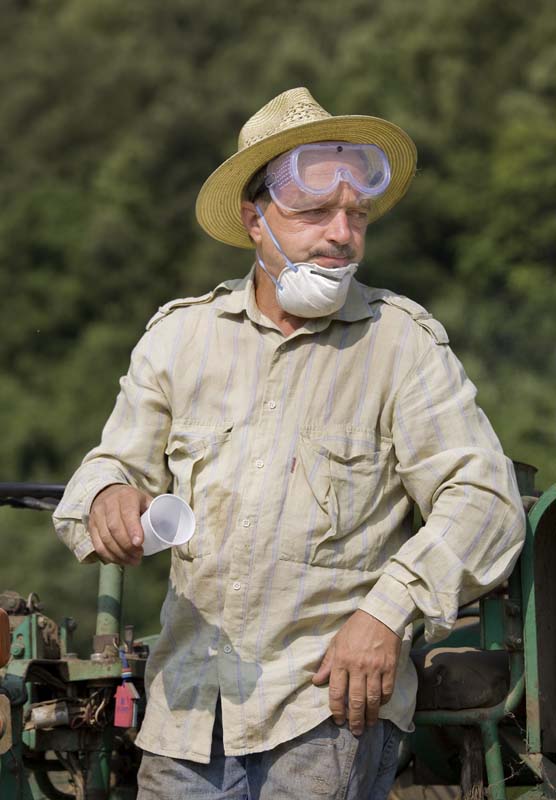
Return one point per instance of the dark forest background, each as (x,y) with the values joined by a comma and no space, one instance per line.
(113,114)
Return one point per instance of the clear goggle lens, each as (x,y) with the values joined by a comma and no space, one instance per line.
(309,176)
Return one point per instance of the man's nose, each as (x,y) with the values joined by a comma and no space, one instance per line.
(339,229)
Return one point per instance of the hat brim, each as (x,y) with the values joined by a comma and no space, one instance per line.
(218,207)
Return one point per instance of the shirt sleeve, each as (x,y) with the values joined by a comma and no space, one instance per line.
(451,463)
(131,452)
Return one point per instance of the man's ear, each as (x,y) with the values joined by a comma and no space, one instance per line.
(251,221)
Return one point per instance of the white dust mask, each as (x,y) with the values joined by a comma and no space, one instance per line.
(308,290)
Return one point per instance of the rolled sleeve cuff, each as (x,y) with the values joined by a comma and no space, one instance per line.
(390,602)
(71,519)
(85,552)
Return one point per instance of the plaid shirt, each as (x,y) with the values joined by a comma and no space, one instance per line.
(302,457)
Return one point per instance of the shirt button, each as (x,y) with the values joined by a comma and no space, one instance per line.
(259,463)
(245,523)
(271,404)
(227,648)
(237,586)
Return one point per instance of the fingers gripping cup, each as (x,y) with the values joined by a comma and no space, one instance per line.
(167,522)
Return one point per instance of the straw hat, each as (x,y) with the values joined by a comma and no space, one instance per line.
(291,119)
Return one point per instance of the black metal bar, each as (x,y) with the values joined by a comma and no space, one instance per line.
(36,490)
(37,496)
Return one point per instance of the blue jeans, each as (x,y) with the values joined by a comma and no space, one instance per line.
(326,763)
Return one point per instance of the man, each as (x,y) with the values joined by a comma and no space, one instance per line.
(301,414)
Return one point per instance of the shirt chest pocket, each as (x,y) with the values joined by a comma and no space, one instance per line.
(337,485)
(197,453)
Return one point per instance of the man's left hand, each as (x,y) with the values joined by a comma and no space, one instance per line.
(360,665)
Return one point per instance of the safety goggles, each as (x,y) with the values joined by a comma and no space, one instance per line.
(308,176)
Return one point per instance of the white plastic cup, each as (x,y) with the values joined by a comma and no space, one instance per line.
(167,522)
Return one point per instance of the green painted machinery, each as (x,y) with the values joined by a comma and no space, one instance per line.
(487,699)
(57,733)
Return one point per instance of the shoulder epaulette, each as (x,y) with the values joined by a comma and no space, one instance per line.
(416,311)
(181,302)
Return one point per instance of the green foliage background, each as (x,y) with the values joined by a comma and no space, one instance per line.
(112,116)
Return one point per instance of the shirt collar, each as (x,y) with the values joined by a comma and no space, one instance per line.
(357,304)
(238,296)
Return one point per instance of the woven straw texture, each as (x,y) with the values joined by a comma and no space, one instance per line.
(291,119)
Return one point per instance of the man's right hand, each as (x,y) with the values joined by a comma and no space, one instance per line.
(115,524)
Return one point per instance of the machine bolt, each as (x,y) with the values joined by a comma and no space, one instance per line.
(513,609)
(98,657)
(17,650)
(129,635)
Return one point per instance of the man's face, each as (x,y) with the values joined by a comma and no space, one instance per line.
(332,235)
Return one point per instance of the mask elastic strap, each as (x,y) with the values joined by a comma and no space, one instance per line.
(272,278)
(276,243)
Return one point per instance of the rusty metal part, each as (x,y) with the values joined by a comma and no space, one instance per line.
(16,605)
(13,603)
(33,603)
(129,635)
(472,765)
(49,715)
(105,647)
(6,739)
(50,635)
